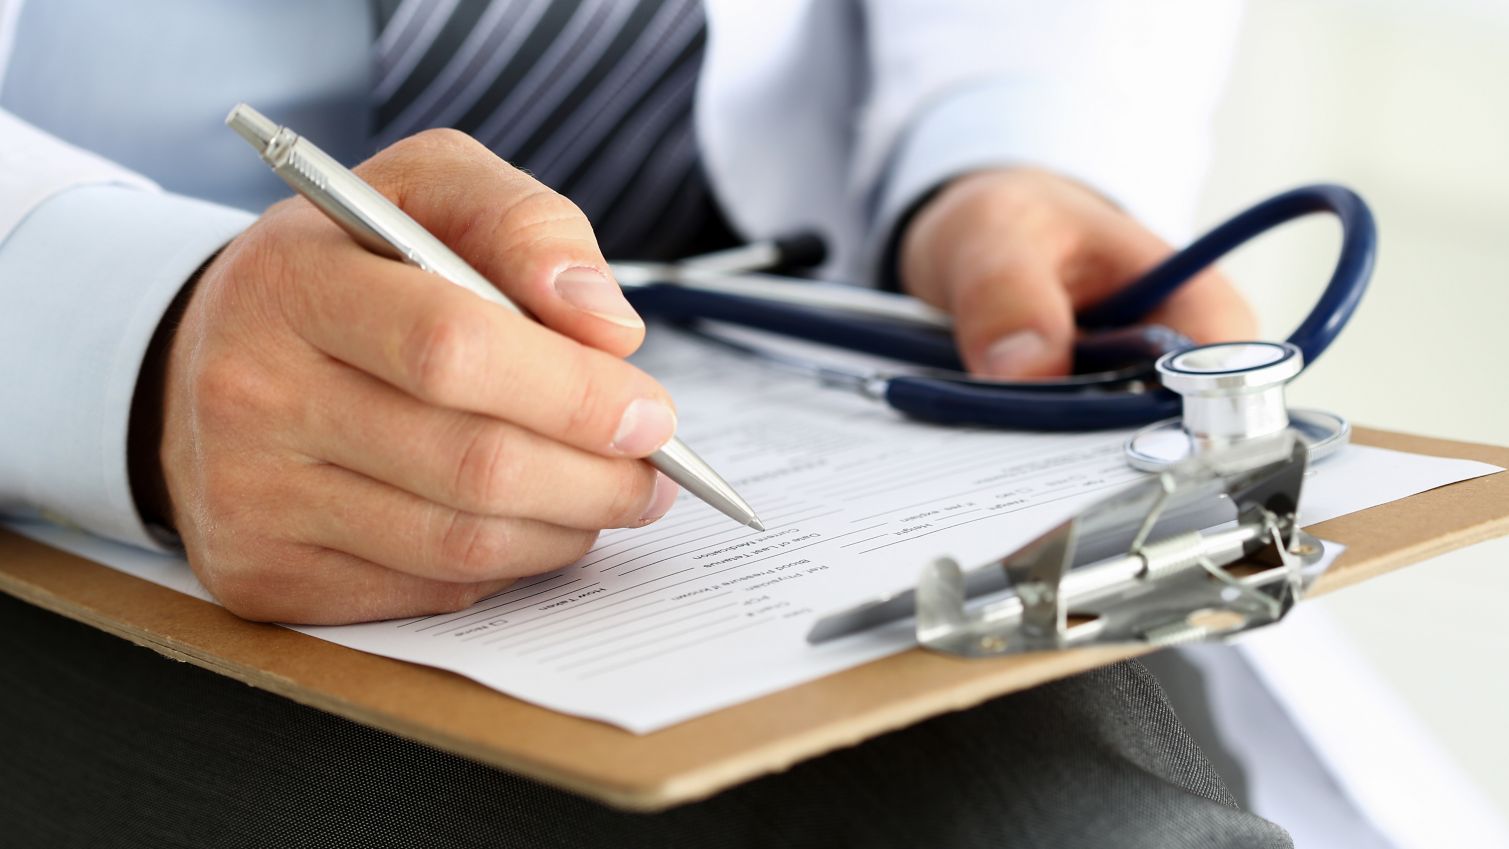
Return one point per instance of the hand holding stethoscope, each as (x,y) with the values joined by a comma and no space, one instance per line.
(1127,374)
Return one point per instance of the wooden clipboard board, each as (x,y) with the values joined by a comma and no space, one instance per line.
(702,756)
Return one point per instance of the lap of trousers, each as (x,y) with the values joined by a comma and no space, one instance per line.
(105,744)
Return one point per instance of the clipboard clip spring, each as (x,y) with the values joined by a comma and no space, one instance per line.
(1159,563)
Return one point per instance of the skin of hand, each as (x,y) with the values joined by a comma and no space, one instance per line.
(1013,253)
(347,438)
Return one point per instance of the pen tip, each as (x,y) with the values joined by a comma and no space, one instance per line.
(757,524)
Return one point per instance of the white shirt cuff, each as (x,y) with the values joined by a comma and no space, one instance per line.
(87,276)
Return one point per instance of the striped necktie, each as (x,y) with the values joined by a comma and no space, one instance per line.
(593,97)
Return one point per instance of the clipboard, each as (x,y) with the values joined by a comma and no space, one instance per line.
(702,756)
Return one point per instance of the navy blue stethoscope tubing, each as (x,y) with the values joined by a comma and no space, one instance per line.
(951,403)
(1343,292)
(883,339)
(916,345)
(1072,404)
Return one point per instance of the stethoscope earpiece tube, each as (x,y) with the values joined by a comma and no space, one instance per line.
(680,303)
(1354,265)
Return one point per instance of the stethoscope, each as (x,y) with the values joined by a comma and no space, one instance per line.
(1190,399)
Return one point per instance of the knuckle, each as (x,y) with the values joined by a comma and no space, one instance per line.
(222,505)
(539,215)
(425,162)
(227,391)
(437,357)
(539,204)
(973,303)
(213,508)
(227,523)
(473,548)
(590,398)
(485,472)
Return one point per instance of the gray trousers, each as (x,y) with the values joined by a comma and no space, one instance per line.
(104,744)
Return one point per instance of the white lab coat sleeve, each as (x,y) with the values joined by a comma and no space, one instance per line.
(1118,94)
(91,257)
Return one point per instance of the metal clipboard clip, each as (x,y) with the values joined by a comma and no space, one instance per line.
(1145,565)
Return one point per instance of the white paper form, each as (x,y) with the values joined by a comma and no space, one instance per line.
(694,613)
(664,623)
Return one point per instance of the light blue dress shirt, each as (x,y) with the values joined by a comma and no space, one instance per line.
(149,90)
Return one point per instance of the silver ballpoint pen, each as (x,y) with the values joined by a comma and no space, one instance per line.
(378,225)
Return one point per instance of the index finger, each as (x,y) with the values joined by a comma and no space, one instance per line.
(450,348)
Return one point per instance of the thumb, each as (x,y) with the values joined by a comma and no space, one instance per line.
(1012,320)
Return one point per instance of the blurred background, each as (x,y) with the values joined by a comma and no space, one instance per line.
(1408,102)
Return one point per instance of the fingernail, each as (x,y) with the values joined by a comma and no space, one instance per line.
(1012,355)
(660,503)
(589,290)
(646,425)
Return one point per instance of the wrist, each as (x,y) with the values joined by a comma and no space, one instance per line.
(144,433)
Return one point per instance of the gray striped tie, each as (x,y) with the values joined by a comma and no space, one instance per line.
(594,97)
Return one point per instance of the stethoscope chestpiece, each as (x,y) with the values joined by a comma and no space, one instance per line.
(1233,395)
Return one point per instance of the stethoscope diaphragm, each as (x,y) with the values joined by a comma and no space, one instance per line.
(1233,395)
